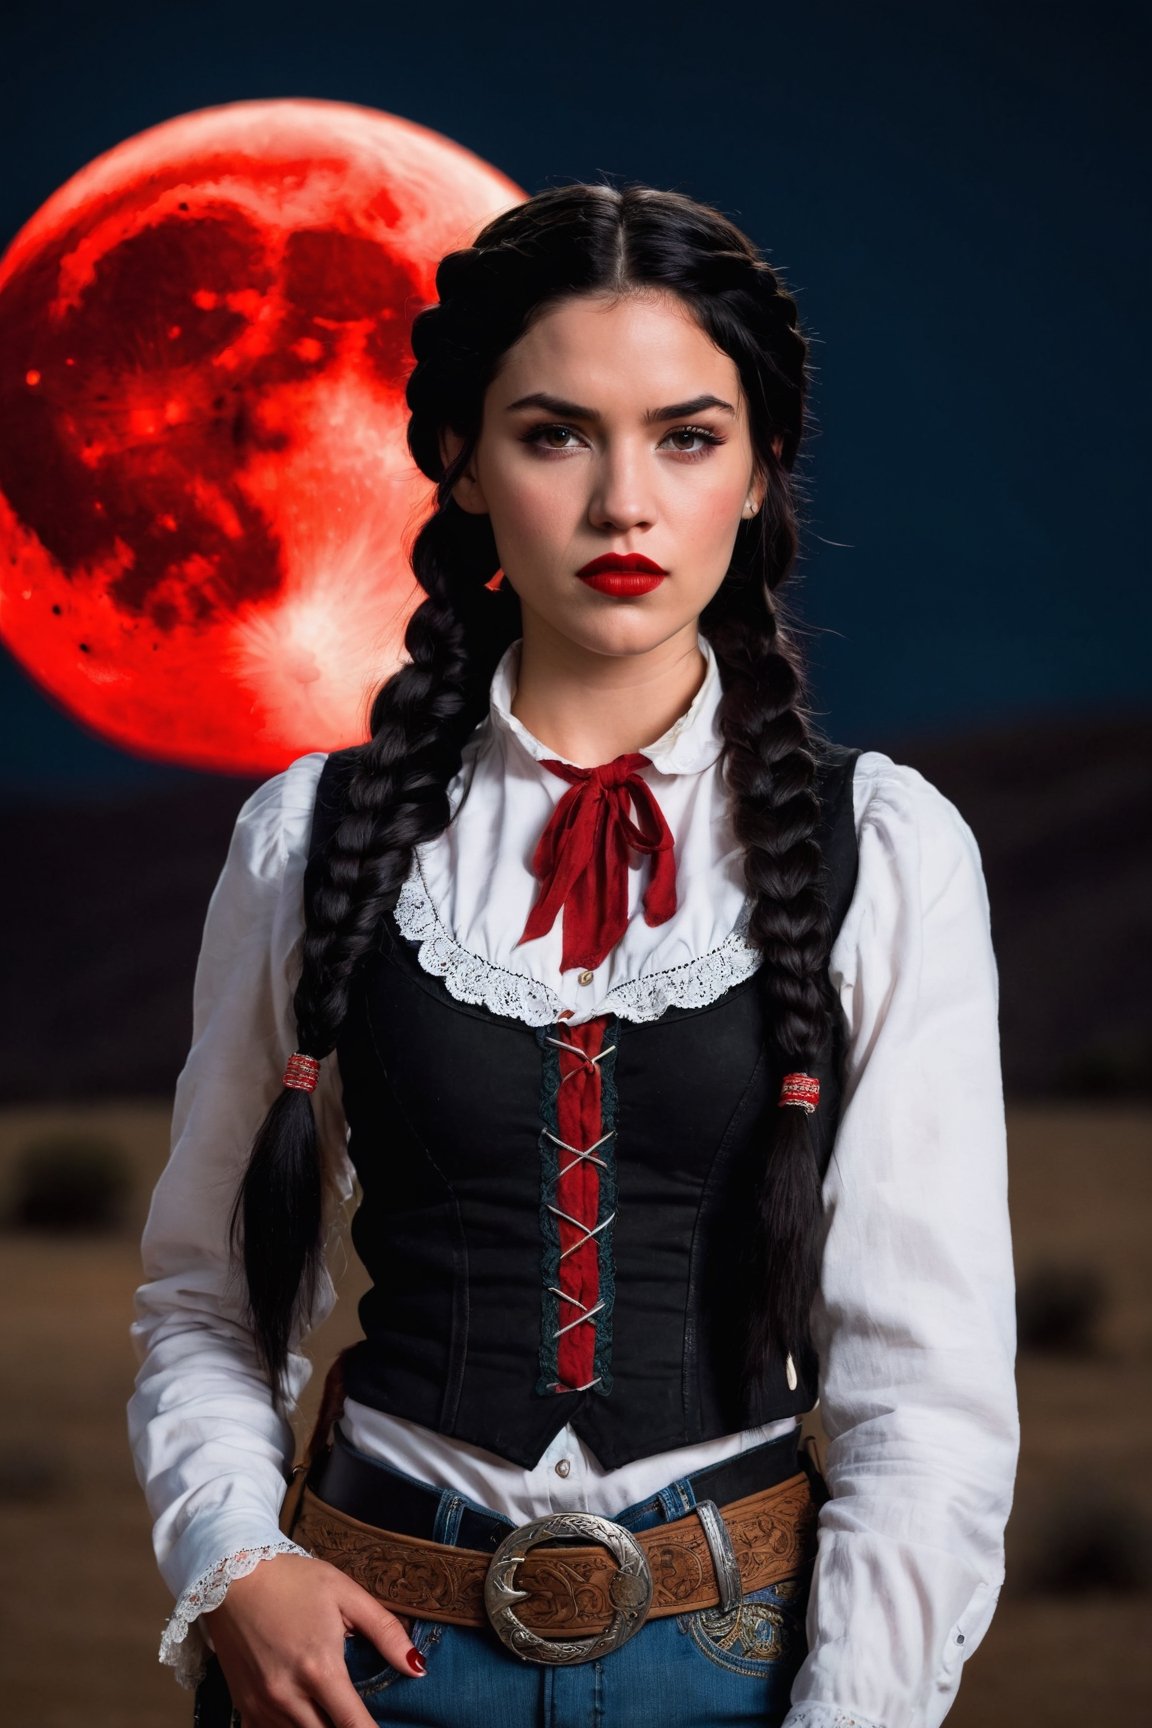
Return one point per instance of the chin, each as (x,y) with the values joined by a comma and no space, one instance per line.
(631,627)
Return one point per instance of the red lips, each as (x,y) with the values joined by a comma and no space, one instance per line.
(624,574)
(622,561)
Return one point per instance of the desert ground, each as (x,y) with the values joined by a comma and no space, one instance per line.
(83,1605)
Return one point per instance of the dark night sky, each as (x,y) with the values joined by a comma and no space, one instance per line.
(954,194)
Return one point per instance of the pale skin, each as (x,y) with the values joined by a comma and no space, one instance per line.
(599,676)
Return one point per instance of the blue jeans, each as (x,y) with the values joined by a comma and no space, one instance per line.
(710,1669)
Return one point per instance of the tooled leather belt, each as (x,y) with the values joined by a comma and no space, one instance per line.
(593,1596)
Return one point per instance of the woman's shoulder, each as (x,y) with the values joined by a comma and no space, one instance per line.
(881,783)
(883,790)
(905,821)
(277,816)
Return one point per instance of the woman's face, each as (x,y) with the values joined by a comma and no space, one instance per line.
(584,471)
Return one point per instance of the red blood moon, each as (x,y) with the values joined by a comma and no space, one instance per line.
(206,499)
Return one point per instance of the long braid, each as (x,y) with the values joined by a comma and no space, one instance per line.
(770,764)
(395,799)
(770,768)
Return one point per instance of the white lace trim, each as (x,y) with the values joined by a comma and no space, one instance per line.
(469,978)
(825,1716)
(182,1645)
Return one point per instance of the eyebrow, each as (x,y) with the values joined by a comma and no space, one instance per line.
(573,410)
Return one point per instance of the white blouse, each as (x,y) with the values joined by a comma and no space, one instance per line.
(915,1322)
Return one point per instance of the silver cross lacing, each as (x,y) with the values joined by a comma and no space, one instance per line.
(563,1044)
(577,1225)
(585,1314)
(578,1157)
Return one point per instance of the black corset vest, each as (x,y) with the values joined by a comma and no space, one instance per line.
(447,1105)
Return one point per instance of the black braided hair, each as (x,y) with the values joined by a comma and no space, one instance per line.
(567,241)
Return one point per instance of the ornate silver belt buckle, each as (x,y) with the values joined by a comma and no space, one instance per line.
(630,1590)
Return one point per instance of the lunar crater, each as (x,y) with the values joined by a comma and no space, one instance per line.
(202,426)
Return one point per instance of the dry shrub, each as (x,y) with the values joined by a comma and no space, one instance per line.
(1059,1310)
(75,1182)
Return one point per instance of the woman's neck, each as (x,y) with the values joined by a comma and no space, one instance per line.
(591,708)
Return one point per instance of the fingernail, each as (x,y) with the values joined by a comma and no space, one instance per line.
(416,1662)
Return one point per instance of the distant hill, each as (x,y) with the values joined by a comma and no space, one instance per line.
(105,907)
(1062,813)
(106,900)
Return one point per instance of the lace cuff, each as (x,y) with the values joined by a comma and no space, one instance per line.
(826,1716)
(182,1646)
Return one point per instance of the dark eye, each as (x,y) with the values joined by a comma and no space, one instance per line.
(535,435)
(696,432)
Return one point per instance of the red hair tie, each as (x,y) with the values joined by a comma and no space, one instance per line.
(302,1072)
(800,1089)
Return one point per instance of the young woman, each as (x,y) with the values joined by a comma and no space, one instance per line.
(661,1034)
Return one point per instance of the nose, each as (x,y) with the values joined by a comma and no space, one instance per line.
(621,496)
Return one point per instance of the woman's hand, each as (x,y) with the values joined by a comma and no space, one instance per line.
(279,1636)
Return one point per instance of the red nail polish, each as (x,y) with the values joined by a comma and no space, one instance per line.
(416,1662)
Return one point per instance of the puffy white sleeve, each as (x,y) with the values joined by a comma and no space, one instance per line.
(915,1322)
(210,1454)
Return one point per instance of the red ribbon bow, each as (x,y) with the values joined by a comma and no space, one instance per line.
(582,859)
